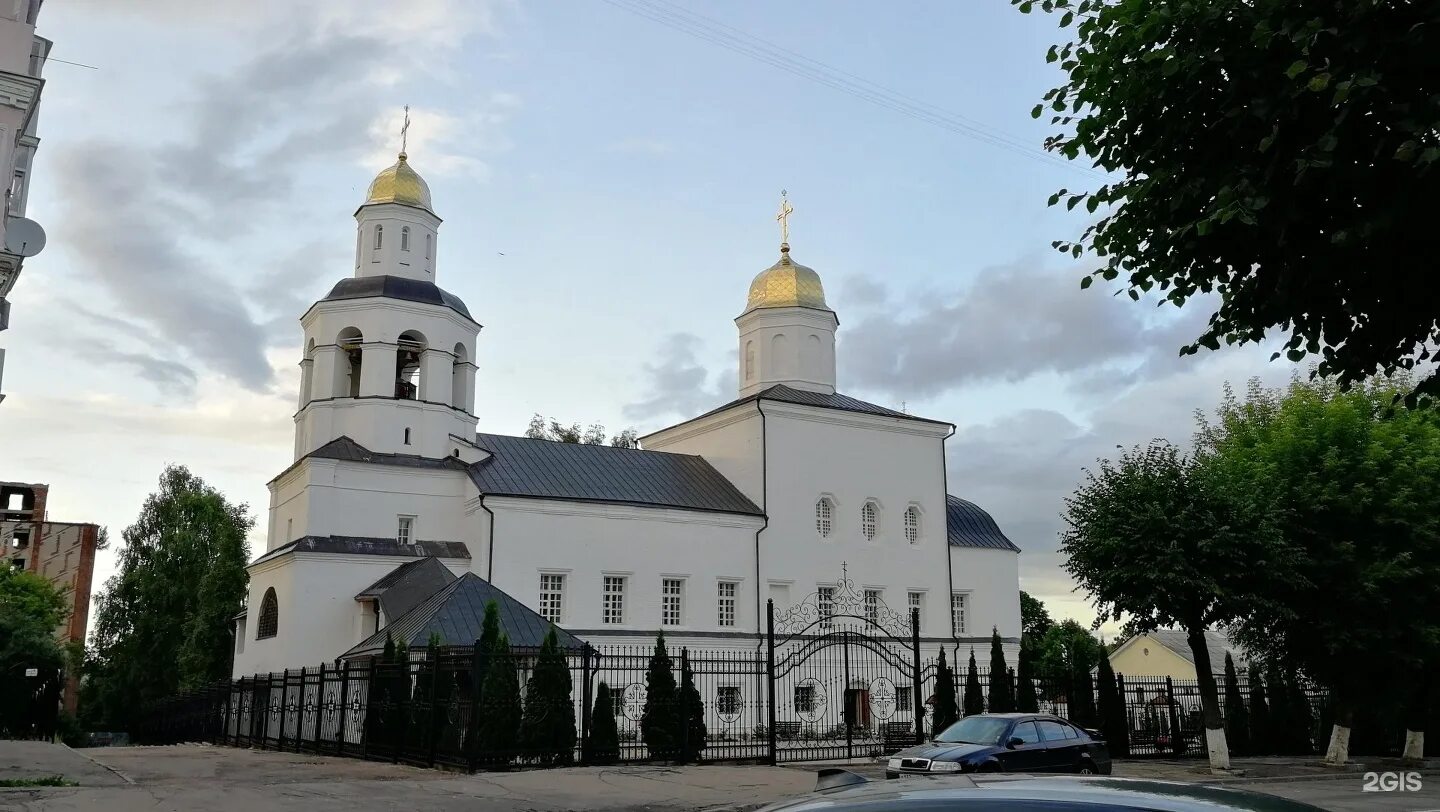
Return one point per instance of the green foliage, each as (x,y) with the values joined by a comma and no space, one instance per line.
(1001,695)
(1355,485)
(25,595)
(46,781)
(1237,720)
(692,708)
(541,428)
(1113,720)
(1082,694)
(1035,622)
(1287,186)
(1026,700)
(1064,645)
(165,619)
(1260,728)
(660,720)
(947,711)
(974,697)
(30,611)
(499,729)
(547,728)
(604,744)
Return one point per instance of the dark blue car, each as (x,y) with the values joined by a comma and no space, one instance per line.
(1005,742)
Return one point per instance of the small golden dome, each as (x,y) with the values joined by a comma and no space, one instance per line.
(400,184)
(786,284)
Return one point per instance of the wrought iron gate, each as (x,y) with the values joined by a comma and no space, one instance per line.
(844,674)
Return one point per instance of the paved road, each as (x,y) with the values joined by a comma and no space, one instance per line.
(216,779)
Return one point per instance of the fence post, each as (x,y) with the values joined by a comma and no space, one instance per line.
(1115,748)
(432,731)
(1177,736)
(916,682)
(770,670)
(319,707)
(284,715)
(586,700)
(344,707)
(472,725)
(402,709)
(370,707)
(684,714)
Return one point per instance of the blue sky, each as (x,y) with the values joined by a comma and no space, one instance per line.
(608,185)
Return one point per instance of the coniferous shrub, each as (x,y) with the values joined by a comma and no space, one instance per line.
(692,711)
(1114,724)
(1025,698)
(659,722)
(946,712)
(1282,722)
(604,744)
(547,727)
(1261,739)
(500,710)
(1237,718)
(1082,696)
(974,698)
(1001,700)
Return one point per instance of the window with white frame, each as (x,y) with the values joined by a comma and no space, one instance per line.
(825,602)
(613,607)
(869,520)
(872,605)
(824,516)
(552,596)
(672,601)
(405,532)
(725,603)
(912,524)
(917,601)
(958,605)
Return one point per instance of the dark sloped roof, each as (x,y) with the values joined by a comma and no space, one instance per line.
(788,394)
(344,448)
(520,466)
(456,612)
(396,287)
(1217,643)
(407,585)
(365,545)
(967,525)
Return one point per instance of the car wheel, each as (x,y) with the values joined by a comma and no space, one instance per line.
(1087,767)
(990,767)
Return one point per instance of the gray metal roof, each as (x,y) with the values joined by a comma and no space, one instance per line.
(457,613)
(520,466)
(346,449)
(788,394)
(401,589)
(1217,642)
(365,545)
(967,525)
(396,287)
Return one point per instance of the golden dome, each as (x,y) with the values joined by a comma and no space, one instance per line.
(786,284)
(400,184)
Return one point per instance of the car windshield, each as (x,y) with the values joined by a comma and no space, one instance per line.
(975,730)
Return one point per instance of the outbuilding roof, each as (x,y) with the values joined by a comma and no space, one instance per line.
(968,525)
(402,588)
(365,545)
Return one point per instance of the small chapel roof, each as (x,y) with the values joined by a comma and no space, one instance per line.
(789,394)
(457,612)
(366,545)
(544,469)
(345,449)
(400,589)
(968,525)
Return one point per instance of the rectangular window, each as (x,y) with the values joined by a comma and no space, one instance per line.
(672,599)
(825,602)
(614,606)
(727,700)
(406,532)
(904,698)
(725,605)
(917,601)
(872,605)
(957,612)
(804,698)
(552,596)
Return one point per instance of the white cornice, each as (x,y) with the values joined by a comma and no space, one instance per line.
(706,424)
(378,302)
(598,510)
(859,420)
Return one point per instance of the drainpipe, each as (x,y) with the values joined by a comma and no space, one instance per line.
(765,508)
(949,564)
(490,553)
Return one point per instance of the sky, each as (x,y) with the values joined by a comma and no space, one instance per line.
(608,184)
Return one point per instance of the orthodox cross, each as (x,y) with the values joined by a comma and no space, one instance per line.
(404,129)
(783,218)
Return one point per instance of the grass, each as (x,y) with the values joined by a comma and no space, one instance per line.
(47,781)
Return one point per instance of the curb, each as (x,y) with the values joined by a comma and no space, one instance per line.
(122,776)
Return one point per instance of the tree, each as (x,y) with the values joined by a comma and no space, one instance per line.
(479,672)
(547,728)
(974,697)
(551,429)
(1287,186)
(1114,723)
(1355,486)
(1082,693)
(31,609)
(692,713)
(659,722)
(500,711)
(1237,720)
(1063,645)
(1165,541)
(164,621)
(1282,723)
(604,744)
(946,712)
(1035,622)
(1260,733)
(1001,696)
(1025,699)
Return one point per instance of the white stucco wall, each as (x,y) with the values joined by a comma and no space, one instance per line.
(991,579)
(729,441)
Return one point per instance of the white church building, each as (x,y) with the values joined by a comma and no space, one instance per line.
(394,503)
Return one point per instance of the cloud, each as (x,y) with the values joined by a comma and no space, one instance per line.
(1011,323)
(447,141)
(678,383)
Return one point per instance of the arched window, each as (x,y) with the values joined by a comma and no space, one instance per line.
(912,524)
(407,436)
(458,378)
(409,377)
(347,372)
(824,517)
(427,246)
(405,238)
(307,368)
(379,236)
(869,520)
(749,360)
(269,621)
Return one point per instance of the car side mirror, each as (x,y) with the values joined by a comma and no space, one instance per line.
(1015,742)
